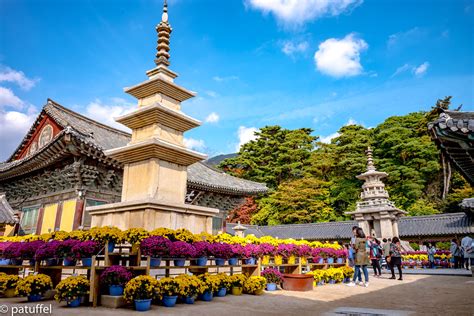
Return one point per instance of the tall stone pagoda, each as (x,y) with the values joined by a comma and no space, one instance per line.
(376,214)
(156,160)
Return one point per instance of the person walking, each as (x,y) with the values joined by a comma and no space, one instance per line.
(431,252)
(468,251)
(456,253)
(357,274)
(375,256)
(396,258)
(386,253)
(361,257)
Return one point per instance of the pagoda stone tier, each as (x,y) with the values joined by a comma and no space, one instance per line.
(376,214)
(155,160)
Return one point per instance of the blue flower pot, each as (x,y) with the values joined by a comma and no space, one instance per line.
(221,292)
(4,262)
(201,261)
(330,260)
(86,262)
(16,262)
(319,283)
(206,296)
(220,262)
(111,246)
(69,262)
(250,261)
(189,299)
(340,260)
(35,297)
(32,262)
(142,305)
(116,290)
(233,261)
(271,286)
(51,262)
(169,301)
(179,262)
(332,281)
(321,260)
(74,303)
(155,262)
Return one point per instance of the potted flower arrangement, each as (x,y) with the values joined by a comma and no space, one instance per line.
(34,286)
(317,277)
(266,250)
(255,285)
(170,288)
(201,252)
(303,251)
(134,236)
(85,250)
(8,284)
(318,255)
(141,290)
(107,235)
(72,289)
(210,285)
(180,250)
(237,281)
(237,251)
(48,252)
(331,255)
(28,250)
(341,255)
(334,275)
(156,247)
(288,252)
(182,234)
(65,252)
(12,254)
(273,277)
(115,277)
(220,252)
(224,283)
(190,286)
(348,273)
(250,253)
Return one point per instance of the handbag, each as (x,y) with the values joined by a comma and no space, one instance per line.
(389,258)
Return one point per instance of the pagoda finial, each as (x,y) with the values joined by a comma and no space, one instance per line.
(164,30)
(370,161)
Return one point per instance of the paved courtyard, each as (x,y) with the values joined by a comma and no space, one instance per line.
(417,295)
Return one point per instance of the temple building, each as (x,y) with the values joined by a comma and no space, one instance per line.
(69,167)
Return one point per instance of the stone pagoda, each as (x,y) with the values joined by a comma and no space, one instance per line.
(376,214)
(155,160)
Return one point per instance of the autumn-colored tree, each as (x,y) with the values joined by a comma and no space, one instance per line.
(244,213)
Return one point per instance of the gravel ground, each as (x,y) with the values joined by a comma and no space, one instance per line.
(416,295)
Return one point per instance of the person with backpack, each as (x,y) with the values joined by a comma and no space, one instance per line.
(375,256)
(456,253)
(396,258)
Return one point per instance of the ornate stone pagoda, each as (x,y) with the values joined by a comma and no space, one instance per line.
(156,160)
(376,214)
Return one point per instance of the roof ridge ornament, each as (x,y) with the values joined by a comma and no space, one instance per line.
(163,30)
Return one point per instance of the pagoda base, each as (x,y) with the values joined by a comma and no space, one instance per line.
(151,214)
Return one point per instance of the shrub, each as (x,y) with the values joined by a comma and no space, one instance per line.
(8,281)
(64,249)
(72,288)
(201,249)
(169,286)
(254,284)
(272,275)
(181,249)
(237,280)
(220,250)
(135,235)
(142,287)
(115,275)
(86,249)
(210,282)
(190,285)
(155,246)
(48,250)
(34,285)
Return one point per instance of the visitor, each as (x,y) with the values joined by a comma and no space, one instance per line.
(431,252)
(357,273)
(468,251)
(375,256)
(350,255)
(386,253)
(396,258)
(361,258)
(456,253)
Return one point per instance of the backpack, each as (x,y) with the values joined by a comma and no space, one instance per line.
(379,252)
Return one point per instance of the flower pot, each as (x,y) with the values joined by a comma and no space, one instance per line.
(233,261)
(86,262)
(16,262)
(221,292)
(340,260)
(9,293)
(111,246)
(142,305)
(278,260)
(271,286)
(291,260)
(170,301)
(220,262)
(179,262)
(332,281)
(51,262)
(236,290)
(155,262)
(320,283)
(35,297)
(201,261)
(69,262)
(116,290)
(250,261)
(32,262)
(189,299)
(304,260)
(259,292)
(74,303)
(4,262)
(206,296)
(321,260)
(330,260)
(265,260)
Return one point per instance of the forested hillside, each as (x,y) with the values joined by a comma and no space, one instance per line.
(311,181)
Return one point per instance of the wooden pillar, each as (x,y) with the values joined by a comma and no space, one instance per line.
(78,214)
(39,224)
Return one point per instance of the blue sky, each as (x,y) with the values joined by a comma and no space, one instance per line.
(296,63)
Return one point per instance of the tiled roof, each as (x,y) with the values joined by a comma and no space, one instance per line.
(6,212)
(409,226)
(102,137)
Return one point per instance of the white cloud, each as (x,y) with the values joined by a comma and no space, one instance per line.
(106,113)
(402,38)
(290,48)
(297,12)
(420,70)
(245,134)
(327,139)
(351,121)
(212,94)
(221,79)
(212,118)
(340,57)
(194,144)
(8,98)
(18,77)
(401,69)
